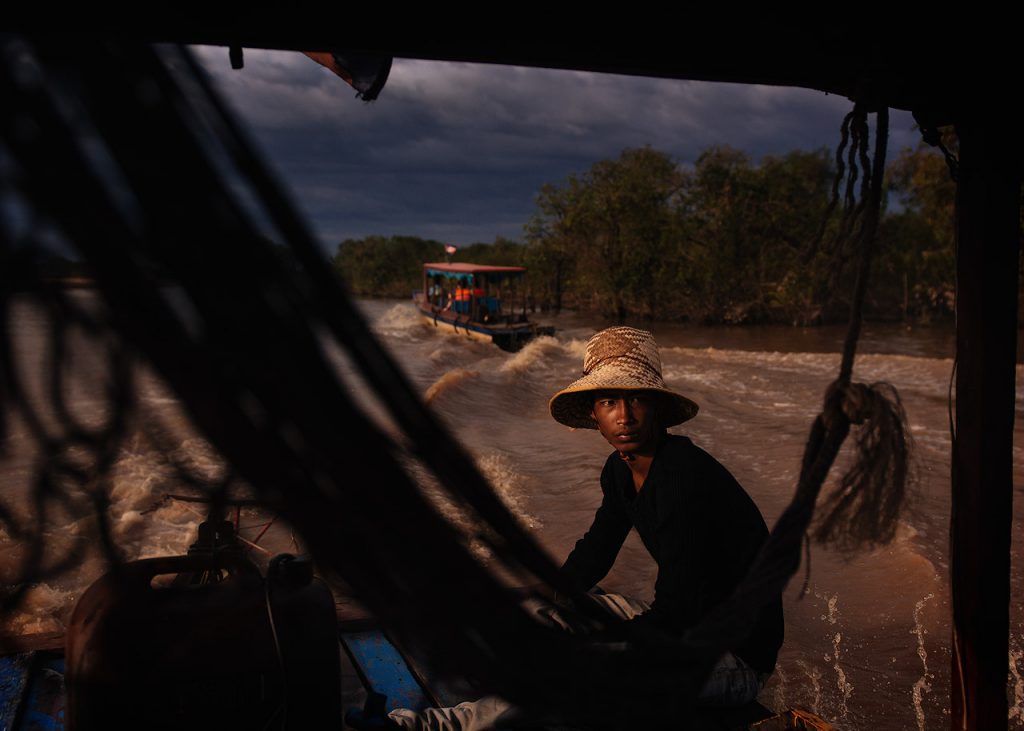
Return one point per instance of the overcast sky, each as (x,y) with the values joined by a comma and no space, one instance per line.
(458,152)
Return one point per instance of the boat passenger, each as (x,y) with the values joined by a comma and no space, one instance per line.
(698,524)
(462,294)
(435,293)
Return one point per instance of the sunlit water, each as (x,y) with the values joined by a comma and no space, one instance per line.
(867,647)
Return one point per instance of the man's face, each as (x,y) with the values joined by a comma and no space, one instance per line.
(629,420)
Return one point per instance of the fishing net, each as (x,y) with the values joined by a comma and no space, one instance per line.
(122,154)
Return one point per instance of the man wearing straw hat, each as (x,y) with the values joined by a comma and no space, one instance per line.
(698,524)
(695,520)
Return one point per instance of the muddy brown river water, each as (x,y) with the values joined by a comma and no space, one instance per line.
(868,646)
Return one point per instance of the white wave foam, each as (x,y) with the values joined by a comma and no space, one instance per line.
(508,484)
(916,373)
(400,321)
(777,692)
(814,676)
(39,612)
(844,686)
(575,347)
(536,353)
(447,381)
(1017,709)
(921,686)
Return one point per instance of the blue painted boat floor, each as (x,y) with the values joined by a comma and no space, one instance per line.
(32,692)
(383,669)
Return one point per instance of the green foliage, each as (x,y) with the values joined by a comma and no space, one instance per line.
(385,267)
(604,233)
(734,241)
(503,252)
(917,258)
(392,266)
(726,240)
(751,226)
(719,243)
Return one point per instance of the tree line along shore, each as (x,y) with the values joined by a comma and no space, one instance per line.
(723,241)
(726,240)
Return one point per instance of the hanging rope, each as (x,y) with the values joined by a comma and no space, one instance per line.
(932,136)
(864,508)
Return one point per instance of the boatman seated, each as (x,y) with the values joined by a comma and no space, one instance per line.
(699,526)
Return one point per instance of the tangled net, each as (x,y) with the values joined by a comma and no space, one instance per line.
(124,155)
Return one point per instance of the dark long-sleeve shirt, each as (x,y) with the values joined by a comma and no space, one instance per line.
(701,528)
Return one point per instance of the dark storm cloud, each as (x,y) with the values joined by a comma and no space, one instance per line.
(457,152)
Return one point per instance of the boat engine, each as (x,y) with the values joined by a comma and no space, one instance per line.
(205,641)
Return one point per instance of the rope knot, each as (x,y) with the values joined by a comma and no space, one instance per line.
(864,507)
(856,401)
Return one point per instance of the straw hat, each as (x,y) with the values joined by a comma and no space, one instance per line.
(619,358)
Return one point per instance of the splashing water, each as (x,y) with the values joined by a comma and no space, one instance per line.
(844,686)
(777,697)
(533,353)
(509,485)
(922,685)
(1017,709)
(448,380)
(36,615)
(814,676)
(401,322)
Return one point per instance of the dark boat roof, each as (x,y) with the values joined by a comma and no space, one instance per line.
(462,267)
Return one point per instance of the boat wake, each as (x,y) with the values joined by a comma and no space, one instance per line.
(509,485)
(447,381)
(401,322)
(536,355)
(39,611)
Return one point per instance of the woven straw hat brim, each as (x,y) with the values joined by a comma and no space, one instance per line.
(572,405)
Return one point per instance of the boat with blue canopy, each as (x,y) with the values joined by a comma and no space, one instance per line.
(474,301)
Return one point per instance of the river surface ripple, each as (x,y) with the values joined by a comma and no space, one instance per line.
(867,647)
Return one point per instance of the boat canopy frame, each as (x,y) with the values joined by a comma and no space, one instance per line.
(467,274)
(464,271)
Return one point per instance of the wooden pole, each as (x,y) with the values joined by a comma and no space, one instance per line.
(988,230)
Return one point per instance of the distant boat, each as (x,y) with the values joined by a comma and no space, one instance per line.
(468,299)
